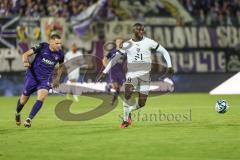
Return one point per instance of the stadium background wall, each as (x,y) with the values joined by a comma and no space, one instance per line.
(196,51)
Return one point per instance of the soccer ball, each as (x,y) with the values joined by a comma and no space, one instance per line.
(221,106)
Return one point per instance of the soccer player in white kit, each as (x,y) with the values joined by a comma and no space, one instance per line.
(138,52)
(73,76)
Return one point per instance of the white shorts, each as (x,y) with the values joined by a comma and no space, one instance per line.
(141,85)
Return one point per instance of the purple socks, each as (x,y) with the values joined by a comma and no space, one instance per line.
(36,107)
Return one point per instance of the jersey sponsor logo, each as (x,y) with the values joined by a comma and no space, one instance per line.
(56,58)
(47,61)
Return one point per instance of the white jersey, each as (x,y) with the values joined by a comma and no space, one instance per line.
(73,75)
(139,59)
(139,56)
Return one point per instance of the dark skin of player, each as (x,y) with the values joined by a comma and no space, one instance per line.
(138,32)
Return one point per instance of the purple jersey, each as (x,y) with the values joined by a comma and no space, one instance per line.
(38,76)
(44,61)
(116,74)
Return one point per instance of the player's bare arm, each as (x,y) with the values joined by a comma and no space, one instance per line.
(119,44)
(25,57)
(105,61)
(60,71)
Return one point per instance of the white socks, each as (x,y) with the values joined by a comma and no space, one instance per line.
(128,108)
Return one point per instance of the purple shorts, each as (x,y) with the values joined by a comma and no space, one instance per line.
(117,77)
(32,84)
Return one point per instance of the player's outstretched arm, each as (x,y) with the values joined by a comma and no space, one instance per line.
(25,57)
(167,57)
(111,63)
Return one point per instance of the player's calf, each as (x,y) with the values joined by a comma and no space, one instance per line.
(35,109)
(20,104)
(42,94)
(115,95)
(141,104)
(142,100)
(18,119)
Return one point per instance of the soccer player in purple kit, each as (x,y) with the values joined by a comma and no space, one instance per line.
(116,74)
(39,74)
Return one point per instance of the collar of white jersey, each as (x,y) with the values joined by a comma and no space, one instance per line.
(137,41)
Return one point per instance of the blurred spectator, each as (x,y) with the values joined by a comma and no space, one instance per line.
(29,8)
(52,8)
(201,18)
(3,10)
(210,12)
(65,11)
(36,12)
(189,6)
(179,21)
(82,6)
(221,19)
(238,17)
(6,8)
(228,18)
(213,12)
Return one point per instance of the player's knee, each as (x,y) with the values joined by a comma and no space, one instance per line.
(42,94)
(117,90)
(41,98)
(141,104)
(127,96)
(23,100)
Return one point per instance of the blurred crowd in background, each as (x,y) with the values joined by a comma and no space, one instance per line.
(209,12)
(42,8)
(214,12)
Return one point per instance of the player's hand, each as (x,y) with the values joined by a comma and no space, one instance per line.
(26,64)
(55,84)
(101,77)
(170,71)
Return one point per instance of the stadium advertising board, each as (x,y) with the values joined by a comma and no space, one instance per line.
(8,31)
(193,48)
(10,60)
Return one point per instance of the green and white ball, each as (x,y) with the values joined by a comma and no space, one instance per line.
(221,106)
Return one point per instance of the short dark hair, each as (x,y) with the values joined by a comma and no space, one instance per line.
(55,35)
(138,25)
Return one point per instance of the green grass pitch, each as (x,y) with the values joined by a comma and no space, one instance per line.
(199,132)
